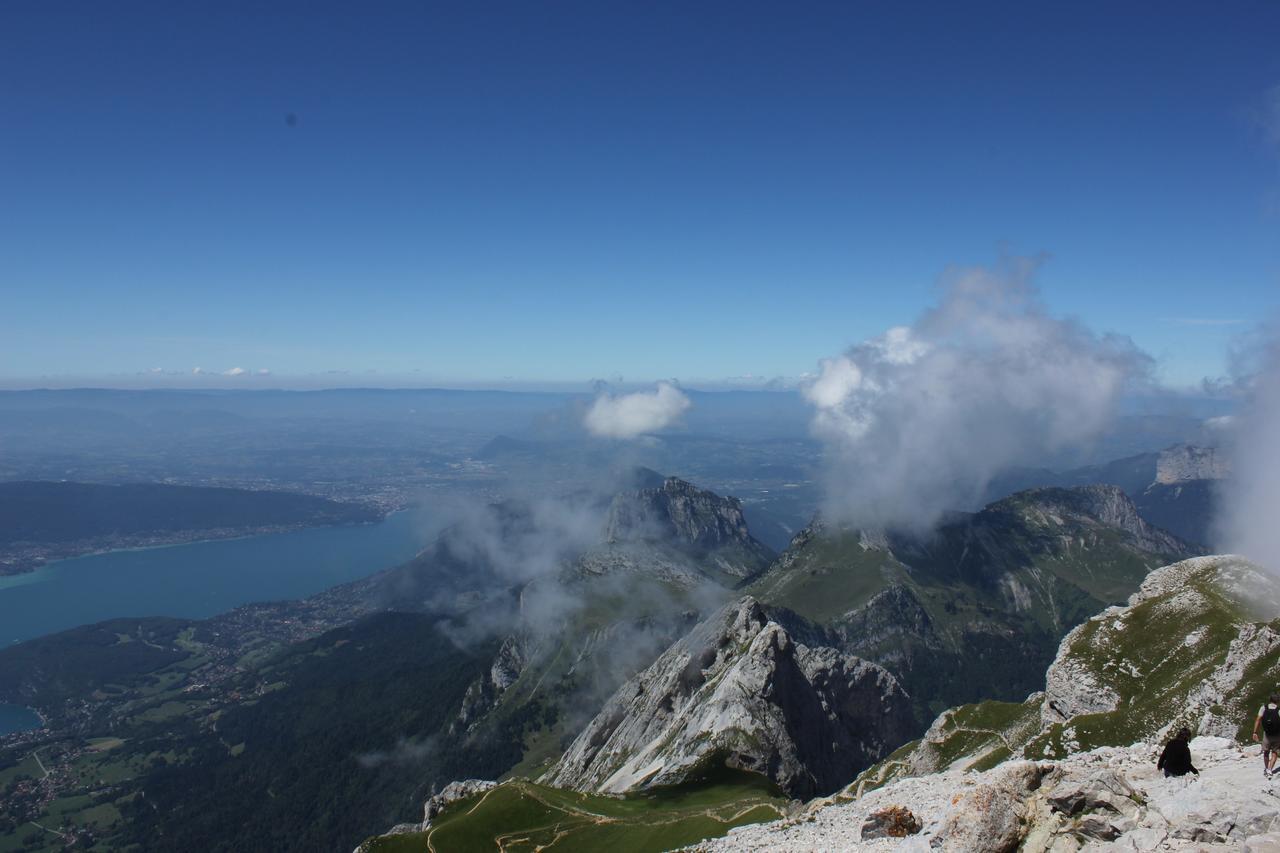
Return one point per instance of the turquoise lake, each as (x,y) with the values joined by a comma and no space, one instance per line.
(15,718)
(202,578)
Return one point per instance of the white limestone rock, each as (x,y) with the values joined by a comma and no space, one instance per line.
(1182,463)
(1105,799)
(451,792)
(741,690)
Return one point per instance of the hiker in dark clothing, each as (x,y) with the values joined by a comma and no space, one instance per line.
(1269,722)
(1176,758)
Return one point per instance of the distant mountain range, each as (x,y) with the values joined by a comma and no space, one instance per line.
(1173,488)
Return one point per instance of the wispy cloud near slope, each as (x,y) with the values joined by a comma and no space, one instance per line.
(919,419)
(1250,502)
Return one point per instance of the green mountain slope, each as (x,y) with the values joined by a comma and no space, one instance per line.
(976,609)
(1198,645)
(524,816)
(312,748)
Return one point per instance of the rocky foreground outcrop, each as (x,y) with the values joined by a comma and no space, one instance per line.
(743,691)
(1189,649)
(1194,647)
(1108,798)
(1058,771)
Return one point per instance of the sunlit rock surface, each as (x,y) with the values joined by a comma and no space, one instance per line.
(743,691)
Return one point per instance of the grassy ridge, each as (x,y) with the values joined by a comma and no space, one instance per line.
(831,576)
(977,609)
(1165,660)
(524,816)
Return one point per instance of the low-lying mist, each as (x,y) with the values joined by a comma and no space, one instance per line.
(517,566)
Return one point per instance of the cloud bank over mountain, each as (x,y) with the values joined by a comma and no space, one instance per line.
(918,420)
(630,415)
(1247,511)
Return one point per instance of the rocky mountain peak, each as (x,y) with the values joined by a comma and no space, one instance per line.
(677,511)
(1090,506)
(742,691)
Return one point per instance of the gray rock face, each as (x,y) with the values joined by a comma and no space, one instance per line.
(508,664)
(453,791)
(990,816)
(483,694)
(1076,683)
(1111,506)
(887,625)
(739,690)
(1183,462)
(1106,799)
(891,822)
(1072,688)
(680,512)
(432,807)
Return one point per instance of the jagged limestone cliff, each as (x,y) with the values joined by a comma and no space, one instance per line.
(743,691)
(1184,462)
(698,521)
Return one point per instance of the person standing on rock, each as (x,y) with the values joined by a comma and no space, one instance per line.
(1269,721)
(1176,758)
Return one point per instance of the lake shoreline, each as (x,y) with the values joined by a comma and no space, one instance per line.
(96,547)
(11,707)
(198,580)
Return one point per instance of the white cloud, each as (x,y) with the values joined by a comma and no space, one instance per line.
(197,371)
(235,371)
(157,370)
(630,415)
(1246,519)
(262,371)
(919,419)
(837,379)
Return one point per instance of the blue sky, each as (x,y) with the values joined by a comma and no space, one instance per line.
(532,192)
